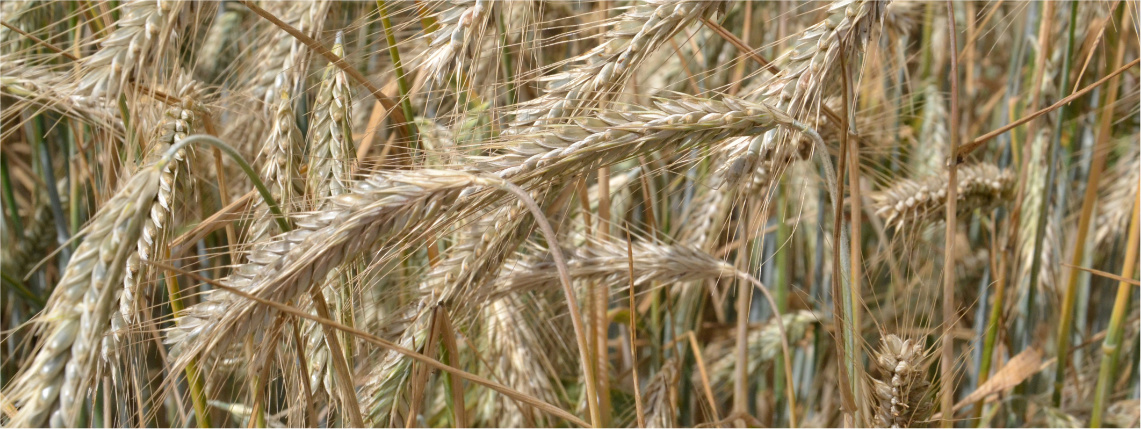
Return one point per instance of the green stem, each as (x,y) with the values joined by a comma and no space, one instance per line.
(1112,345)
(10,198)
(15,283)
(193,376)
(401,81)
(508,67)
(1065,323)
(279,217)
(783,270)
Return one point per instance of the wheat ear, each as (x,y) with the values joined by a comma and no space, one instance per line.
(52,389)
(661,396)
(916,202)
(177,125)
(901,393)
(636,34)
(809,75)
(126,49)
(331,141)
(455,39)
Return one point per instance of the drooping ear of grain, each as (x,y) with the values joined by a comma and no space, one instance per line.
(811,73)
(598,73)
(145,25)
(53,387)
(914,203)
(178,123)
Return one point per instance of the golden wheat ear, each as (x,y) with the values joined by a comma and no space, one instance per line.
(901,392)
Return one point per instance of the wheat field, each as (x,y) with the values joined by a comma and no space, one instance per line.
(649,213)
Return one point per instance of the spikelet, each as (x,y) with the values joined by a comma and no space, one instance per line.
(55,385)
(900,390)
(913,203)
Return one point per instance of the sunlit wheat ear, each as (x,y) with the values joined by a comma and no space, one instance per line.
(285,267)
(53,388)
(281,170)
(41,87)
(513,348)
(900,390)
(452,45)
(763,347)
(178,123)
(913,203)
(278,53)
(145,25)
(331,150)
(383,396)
(613,136)
(603,70)
(810,74)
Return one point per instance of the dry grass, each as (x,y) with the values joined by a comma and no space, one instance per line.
(660,148)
